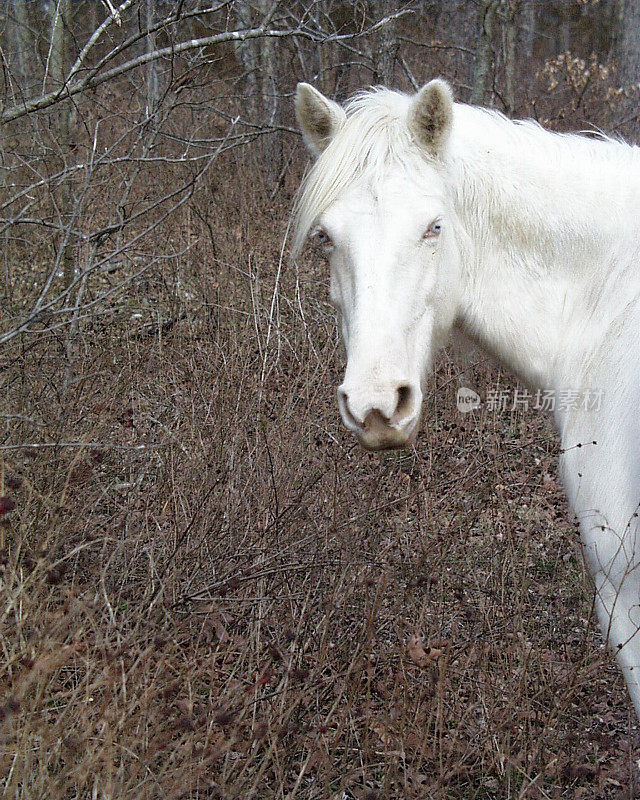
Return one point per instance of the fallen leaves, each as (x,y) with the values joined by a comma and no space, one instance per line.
(385,734)
(6,504)
(421,656)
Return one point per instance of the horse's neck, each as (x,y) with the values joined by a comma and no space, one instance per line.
(514,322)
(552,228)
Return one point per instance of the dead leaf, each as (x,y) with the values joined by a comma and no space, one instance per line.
(221,632)
(419,655)
(215,624)
(185,706)
(382,732)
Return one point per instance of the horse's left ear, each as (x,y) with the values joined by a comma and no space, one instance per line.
(319,118)
(431,115)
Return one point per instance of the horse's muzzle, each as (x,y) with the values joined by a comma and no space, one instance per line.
(386,422)
(378,434)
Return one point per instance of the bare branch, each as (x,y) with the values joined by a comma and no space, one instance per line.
(115,12)
(94,78)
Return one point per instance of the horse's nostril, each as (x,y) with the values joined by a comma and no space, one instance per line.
(347,416)
(405,401)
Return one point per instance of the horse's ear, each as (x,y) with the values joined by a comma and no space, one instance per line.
(431,115)
(319,118)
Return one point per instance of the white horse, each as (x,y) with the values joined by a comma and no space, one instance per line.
(438,216)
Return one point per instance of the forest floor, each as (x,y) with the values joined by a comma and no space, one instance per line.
(209,591)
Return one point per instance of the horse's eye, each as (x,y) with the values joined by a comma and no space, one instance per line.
(322,238)
(433,231)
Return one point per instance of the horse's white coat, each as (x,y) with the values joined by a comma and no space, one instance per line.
(441,216)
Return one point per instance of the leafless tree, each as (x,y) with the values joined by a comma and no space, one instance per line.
(100,118)
(153,85)
(385,44)
(58,63)
(511,18)
(483,59)
(529,25)
(20,23)
(628,55)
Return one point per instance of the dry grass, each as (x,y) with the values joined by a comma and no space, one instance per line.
(216,594)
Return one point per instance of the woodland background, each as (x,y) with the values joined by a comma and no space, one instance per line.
(206,589)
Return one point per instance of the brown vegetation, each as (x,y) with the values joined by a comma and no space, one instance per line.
(216,595)
(207,590)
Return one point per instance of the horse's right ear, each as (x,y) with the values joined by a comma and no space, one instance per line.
(431,116)
(319,118)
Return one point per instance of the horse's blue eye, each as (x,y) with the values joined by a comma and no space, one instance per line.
(322,238)
(433,230)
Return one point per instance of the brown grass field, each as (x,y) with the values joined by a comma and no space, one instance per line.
(208,591)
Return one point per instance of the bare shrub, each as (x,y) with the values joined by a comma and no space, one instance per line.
(206,590)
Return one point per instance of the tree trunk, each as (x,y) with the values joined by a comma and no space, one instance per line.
(564,32)
(629,43)
(23,46)
(529,23)
(59,64)
(262,101)
(385,44)
(270,69)
(249,61)
(484,51)
(510,36)
(323,50)
(153,85)
(59,57)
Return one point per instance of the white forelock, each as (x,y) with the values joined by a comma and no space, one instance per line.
(373,138)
